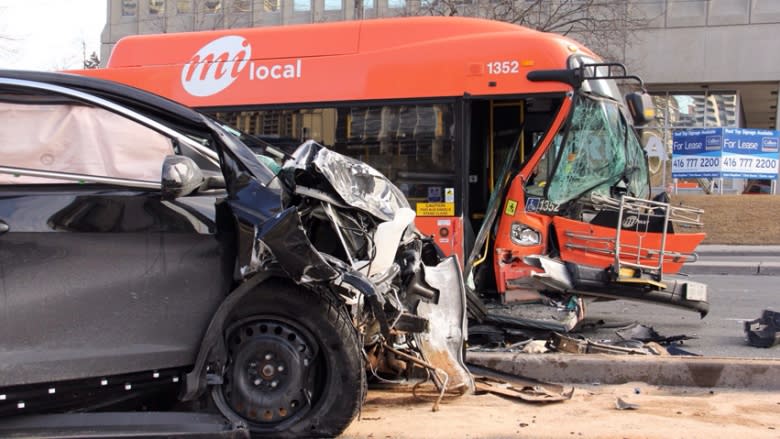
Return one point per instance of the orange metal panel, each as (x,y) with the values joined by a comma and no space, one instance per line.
(447,232)
(346,61)
(596,257)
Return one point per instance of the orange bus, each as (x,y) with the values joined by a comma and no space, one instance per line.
(484,125)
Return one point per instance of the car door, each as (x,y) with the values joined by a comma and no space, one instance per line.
(100,274)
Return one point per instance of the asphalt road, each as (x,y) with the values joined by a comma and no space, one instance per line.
(733,299)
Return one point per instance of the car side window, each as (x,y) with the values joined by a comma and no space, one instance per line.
(76,138)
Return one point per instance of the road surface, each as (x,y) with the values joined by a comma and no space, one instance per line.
(733,299)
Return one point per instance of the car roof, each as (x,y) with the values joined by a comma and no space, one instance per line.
(139,100)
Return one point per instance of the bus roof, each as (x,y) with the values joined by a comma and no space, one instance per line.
(397,58)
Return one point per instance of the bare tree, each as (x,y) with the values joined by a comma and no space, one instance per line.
(6,41)
(6,44)
(92,62)
(605,26)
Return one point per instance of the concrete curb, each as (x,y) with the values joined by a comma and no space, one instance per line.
(738,250)
(736,267)
(757,374)
(735,259)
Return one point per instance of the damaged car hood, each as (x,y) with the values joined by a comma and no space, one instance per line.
(358,184)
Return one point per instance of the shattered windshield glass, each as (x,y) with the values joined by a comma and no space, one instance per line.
(636,167)
(598,149)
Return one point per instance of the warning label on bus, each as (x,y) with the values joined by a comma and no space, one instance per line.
(435,209)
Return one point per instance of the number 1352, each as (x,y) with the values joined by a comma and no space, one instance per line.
(503,67)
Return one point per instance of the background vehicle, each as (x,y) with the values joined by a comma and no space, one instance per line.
(150,259)
(758,187)
(480,123)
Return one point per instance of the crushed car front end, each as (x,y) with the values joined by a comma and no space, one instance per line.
(304,280)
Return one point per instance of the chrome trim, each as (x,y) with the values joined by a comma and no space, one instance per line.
(82,178)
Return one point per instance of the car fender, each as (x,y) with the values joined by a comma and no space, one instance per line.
(212,347)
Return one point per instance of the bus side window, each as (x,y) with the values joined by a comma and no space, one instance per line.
(412,144)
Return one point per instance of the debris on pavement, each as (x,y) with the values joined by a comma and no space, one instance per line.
(638,331)
(523,389)
(492,336)
(764,332)
(563,343)
(622,404)
(674,349)
(536,347)
(632,339)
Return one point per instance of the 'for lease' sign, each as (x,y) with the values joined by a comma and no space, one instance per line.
(725,152)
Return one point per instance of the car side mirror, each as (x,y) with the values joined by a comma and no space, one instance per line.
(212,180)
(641,107)
(181,176)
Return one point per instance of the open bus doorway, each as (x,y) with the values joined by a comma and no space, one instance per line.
(502,133)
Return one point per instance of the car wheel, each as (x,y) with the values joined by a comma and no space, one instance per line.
(294,365)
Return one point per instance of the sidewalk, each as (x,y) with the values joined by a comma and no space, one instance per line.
(738,373)
(736,260)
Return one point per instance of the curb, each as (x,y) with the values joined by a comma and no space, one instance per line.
(756,374)
(737,250)
(736,268)
(736,260)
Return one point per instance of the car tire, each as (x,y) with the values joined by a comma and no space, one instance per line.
(294,364)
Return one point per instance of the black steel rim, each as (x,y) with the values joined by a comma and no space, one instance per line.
(275,373)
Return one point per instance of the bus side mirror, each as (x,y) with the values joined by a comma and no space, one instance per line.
(641,107)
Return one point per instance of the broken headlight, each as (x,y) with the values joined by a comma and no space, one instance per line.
(524,235)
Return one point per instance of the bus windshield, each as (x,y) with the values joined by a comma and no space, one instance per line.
(599,149)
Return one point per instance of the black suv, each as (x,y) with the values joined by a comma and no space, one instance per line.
(152,261)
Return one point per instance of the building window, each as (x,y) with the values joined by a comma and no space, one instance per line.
(212,6)
(184,6)
(156,7)
(725,109)
(301,5)
(686,110)
(333,5)
(270,5)
(368,4)
(679,110)
(242,6)
(129,8)
(396,4)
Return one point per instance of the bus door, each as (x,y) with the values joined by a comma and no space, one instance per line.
(506,137)
(496,140)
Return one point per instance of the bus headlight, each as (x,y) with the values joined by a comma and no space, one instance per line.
(524,235)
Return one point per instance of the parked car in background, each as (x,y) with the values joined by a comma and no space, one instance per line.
(150,260)
(758,187)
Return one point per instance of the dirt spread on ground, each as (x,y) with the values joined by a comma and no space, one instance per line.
(737,219)
(591,413)
(663,412)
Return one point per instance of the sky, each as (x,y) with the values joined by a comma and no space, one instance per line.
(49,34)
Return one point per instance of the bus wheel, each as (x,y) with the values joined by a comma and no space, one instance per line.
(294,365)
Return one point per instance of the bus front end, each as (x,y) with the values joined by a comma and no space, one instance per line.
(576,222)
